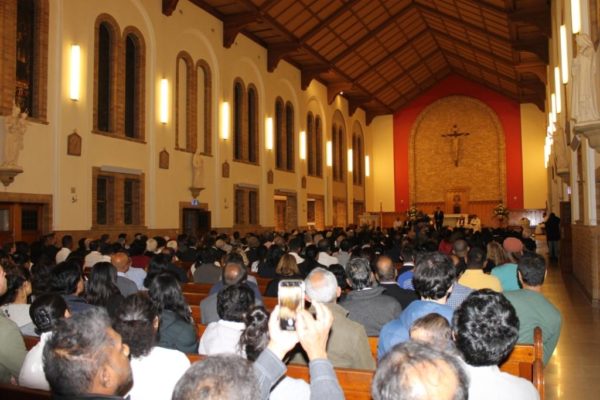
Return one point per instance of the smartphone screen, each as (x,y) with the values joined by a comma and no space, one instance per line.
(291,299)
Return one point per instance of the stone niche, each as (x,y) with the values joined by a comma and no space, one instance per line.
(481,165)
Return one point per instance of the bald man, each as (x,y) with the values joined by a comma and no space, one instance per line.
(125,284)
(386,276)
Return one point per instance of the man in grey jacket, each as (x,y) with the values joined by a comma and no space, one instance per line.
(366,303)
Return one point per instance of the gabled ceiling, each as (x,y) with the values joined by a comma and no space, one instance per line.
(381,54)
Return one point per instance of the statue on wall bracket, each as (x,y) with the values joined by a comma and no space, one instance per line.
(13,131)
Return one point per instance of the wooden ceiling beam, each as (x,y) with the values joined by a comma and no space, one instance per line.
(335,88)
(168,6)
(233,24)
(538,17)
(307,74)
(503,60)
(370,115)
(371,34)
(537,46)
(278,51)
(536,68)
(328,20)
(355,102)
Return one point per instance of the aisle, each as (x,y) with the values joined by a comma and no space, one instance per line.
(574,370)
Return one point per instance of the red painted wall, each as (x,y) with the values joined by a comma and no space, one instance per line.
(508,111)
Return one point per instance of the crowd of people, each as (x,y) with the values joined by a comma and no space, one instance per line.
(448,306)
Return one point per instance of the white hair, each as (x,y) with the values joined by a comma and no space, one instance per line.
(326,290)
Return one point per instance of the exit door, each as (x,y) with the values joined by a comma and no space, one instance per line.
(20,221)
(195,221)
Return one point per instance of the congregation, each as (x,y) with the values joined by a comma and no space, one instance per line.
(115,318)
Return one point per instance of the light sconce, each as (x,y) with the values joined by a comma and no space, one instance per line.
(75,78)
(302,145)
(225,120)
(367,166)
(329,153)
(269,133)
(350,161)
(557,90)
(163,115)
(564,62)
(575,16)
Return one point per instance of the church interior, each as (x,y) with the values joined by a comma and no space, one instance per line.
(186,116)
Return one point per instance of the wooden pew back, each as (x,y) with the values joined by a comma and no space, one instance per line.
(14,392)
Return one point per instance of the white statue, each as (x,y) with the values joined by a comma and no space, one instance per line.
(197,167)
(584,107)
(15,127)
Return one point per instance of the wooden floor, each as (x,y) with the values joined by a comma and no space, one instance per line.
(574,370)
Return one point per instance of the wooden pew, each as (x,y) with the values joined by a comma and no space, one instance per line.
(355,383)
(526,361)
(196,287)
(14,392)
(196,312)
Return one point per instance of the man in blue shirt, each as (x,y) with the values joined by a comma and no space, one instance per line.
(433,277)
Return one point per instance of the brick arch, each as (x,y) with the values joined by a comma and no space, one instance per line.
(207,137)
(112,26)
(140,67)
(189,106)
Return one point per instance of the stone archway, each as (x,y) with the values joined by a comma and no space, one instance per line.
(475,163)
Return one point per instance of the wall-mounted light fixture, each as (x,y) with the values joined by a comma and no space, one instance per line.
(367,166)
(329,153)
(269,133)
(302,145)
(575,16)
(225,120)
(163,115)
(350,161)
(564,62)
(557,90)
(75,73)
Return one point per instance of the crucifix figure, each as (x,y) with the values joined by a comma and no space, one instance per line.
(455,136)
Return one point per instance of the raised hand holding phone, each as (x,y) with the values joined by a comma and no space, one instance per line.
(280,341)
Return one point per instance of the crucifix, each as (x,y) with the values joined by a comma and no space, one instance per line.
(455,136)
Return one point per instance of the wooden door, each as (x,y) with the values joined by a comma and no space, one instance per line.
(20,221)
(280,214)
(195,221)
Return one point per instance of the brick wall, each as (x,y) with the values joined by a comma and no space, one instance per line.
(586,259)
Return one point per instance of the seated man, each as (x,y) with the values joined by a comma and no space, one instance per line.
(325,258)
(417,371)
(474,277)
(366,303)
(223,336)
(533,309)
(433,277)
(234,378)
(405,274)
(235,258)
(348,345)
(85,358)
(233,273)
(206,268)
(386,275)
(125,284)
(486,329)
(66,280)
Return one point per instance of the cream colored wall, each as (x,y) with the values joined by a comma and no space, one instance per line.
(380,186)
(533,134)
(49,170)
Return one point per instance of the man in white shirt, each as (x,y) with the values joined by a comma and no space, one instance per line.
(295,246)
(94,256)
(67,245)
(122,263)
(343,255)
(325,258)
(486,329)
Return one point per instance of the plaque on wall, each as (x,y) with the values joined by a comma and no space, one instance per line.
(303,182)
(163,159)
(270,177)
(225,170)
(74,144)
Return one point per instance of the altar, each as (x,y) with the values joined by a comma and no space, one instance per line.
(451,219)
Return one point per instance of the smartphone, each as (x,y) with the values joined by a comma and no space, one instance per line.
(290,296)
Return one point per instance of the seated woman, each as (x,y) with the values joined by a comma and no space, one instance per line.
(102,288)
(155,369)
(14,303)
(176,330)
(266,269)
(45,311)
(287,268)
(223,336)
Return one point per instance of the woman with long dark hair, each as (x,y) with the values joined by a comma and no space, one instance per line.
(102,289)
(45,311)
(14,304)
(177,330)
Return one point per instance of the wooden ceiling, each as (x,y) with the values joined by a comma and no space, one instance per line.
(381,54)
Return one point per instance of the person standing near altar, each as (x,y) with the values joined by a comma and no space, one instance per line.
(438,218)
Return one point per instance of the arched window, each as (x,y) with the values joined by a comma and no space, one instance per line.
(338,147)
(105,96)
(289,136)
(357,159)
(334,146)
(134,93)
(252,125)
(185,104)
(238,116)
(204,105)
(318,146)
(279,136)
(310,144)
(341,155)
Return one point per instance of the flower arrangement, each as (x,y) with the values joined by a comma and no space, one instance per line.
(500,211)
